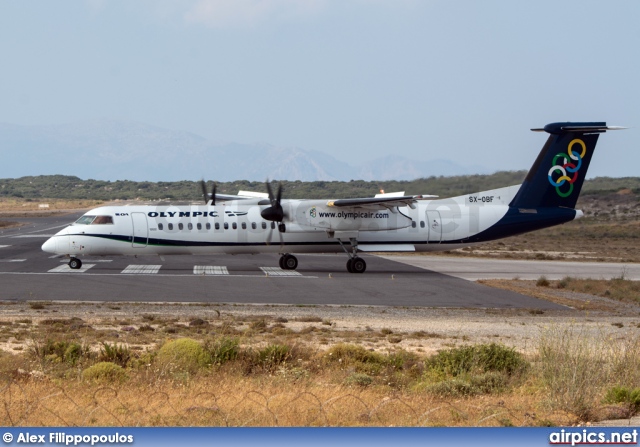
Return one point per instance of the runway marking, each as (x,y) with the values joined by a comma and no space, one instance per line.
(210,270)
(277,271)
(87,260)
(55,256)
(12,260)
(64,268)
(3,246)
(141,269)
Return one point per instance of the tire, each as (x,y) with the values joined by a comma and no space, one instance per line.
(281,262)
(290,262)
(358,265)
(75,263)
(350,265)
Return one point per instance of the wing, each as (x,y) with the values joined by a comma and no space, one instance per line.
(379,202)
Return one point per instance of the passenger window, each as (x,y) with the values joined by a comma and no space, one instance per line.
(264,225)
(160,226)
(180,226)
(273,225)
(234,225)
(208,226)
(217,226)
(253,225)
(413,224)
(226,225)
(199,226)
(422,224)
(244,225)
(190,226)
(170,226)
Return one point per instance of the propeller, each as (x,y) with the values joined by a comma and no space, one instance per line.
(274,213)
(203,185)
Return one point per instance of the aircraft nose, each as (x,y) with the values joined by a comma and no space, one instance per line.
(49,246)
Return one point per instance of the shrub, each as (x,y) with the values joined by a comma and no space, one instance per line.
(477,359)
(59,351)
(622,395)
(542,282)
(273,355)
(359,379)
(183,354)
(348,354)
(118,354)
(104,372)
(223,349)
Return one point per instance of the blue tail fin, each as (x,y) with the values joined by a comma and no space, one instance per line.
(557,175)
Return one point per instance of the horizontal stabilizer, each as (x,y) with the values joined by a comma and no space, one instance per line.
(558,128)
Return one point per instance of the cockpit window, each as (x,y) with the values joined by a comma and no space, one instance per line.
(85,220)
(102,220)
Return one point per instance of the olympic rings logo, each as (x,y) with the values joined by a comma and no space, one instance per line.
(568,168)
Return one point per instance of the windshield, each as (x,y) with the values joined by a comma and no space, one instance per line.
(94,220)
(85,220)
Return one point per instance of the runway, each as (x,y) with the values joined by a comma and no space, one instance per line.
(28,274)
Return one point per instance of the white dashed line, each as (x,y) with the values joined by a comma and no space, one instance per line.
(277,271)
(64,268)
(141,269)
(210,270)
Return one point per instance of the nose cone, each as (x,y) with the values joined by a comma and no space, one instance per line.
(49,246)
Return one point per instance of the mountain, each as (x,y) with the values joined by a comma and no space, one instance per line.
(115,149)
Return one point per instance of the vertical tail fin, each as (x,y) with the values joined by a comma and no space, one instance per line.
(557,175)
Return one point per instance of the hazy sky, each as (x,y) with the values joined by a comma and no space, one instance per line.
(359,79)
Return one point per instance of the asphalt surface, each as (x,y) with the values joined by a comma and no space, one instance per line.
(27,273)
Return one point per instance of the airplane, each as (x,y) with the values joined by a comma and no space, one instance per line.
(393,222)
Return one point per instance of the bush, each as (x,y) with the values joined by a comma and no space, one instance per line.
(542,282)
(359,379)
(478,359)
(184,354)
(59,351)
(348,354)
(273,355)
(104,372)
(223,349)
(622,395)
(118,354)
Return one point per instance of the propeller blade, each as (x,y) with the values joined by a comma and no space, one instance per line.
(213,194)
(279,193)
(203,185)
(269,191)
(269,237)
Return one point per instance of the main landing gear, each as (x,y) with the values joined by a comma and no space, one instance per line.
(75,263)
(288,262)
(355,264)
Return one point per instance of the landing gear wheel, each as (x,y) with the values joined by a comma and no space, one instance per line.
(75,263)
(350,265)
(281,262)
(358,265)
(289,262)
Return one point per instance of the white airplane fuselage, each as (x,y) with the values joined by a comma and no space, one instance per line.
(236,227)
(388,222)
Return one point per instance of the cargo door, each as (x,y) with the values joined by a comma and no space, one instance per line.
(434,224)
